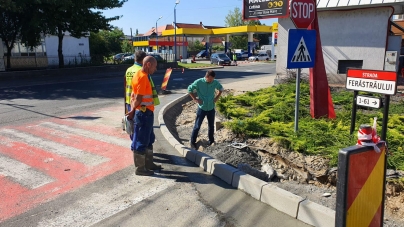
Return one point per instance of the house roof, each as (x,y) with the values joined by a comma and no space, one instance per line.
(397,31)
(162,28)
(213,40)
(152,31)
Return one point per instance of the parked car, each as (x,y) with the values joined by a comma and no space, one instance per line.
(157,57)
(242,56)
(121,56)
(130,57)
(117,57)
(259,57)
(220,59)
(202,54)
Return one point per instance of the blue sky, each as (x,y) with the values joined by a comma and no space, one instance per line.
(142,14)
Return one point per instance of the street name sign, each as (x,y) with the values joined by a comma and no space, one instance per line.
(302,13)
(261,9)
(301,48)
(382,82)
(368,101)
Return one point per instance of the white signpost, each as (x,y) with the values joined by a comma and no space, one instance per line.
(368,101)
(382,82)
(375,81)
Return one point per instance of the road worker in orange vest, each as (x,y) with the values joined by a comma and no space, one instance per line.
(142,113)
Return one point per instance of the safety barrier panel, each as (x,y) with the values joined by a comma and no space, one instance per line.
(361,186)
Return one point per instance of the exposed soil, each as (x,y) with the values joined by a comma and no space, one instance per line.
(307,176)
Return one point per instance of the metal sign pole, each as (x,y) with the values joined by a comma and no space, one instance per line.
(297,100)
(385,117)
(353,115)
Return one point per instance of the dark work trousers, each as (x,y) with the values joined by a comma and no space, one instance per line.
(143,135)
(200,115)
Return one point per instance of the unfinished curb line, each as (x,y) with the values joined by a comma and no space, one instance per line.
(280,199)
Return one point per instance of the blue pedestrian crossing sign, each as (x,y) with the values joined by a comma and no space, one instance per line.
(301,48)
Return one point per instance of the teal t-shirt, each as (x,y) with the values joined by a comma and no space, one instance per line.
(205,92)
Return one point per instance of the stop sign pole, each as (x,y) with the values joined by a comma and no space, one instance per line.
(302,14)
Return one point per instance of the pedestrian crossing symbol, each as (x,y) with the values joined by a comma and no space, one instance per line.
(301,48)
(301,53)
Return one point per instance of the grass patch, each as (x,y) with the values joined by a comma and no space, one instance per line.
(194,65)
(269,112)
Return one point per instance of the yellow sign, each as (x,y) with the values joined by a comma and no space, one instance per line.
(275,27)
(275,4)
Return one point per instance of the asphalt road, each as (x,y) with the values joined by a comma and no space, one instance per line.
(64,161)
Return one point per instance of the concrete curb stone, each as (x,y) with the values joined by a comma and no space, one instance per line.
(280,199)
(315,214)
(249,184)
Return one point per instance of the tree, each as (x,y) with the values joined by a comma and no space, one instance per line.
(235,18)
(75,17)
(137,32)
(126,46)
(18,22)
(106,43)
(196,46)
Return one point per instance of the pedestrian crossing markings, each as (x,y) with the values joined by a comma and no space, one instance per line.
(301,52)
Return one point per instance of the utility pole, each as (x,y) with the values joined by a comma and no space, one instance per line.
(131,39)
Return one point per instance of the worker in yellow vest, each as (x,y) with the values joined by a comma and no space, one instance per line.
(139,56)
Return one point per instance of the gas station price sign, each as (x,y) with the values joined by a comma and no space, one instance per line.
(261,9)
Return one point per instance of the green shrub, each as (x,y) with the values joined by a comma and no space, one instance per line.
(270,112)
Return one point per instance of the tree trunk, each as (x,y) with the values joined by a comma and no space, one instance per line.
(60,48)
(9,48)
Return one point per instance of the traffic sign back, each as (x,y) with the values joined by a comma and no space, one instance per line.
(301,48)
(302,12)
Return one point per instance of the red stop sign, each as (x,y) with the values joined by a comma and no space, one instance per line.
(302,12)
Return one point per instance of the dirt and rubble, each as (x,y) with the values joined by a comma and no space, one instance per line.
(306,176)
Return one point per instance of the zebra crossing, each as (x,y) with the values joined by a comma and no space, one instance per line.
(42,160)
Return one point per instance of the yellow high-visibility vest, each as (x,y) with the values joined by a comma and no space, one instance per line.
(156,99)
(129,75)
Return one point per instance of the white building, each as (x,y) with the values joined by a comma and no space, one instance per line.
(353,34)
(75,52)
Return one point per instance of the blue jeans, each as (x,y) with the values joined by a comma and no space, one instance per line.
(143,135)
(200,115)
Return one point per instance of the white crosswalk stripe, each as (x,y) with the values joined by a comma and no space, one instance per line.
(22,173)
(86,158)
(93,135)
(109,201)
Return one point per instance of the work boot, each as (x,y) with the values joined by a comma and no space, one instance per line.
(140,163)
(149,160)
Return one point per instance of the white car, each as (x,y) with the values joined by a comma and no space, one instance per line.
(259,57)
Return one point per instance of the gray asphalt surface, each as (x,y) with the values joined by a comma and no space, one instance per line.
(180,195)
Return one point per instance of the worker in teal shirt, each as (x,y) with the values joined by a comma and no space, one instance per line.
(206,98)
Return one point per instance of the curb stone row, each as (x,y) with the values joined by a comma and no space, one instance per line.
(280,199)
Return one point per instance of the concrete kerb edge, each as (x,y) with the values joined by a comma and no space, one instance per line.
(306,211)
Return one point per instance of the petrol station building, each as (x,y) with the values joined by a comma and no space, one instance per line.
(166,35)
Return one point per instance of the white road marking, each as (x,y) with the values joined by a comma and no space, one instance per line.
(22,173)
(89,134)
(86,104)
(86,158)
(111,200)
